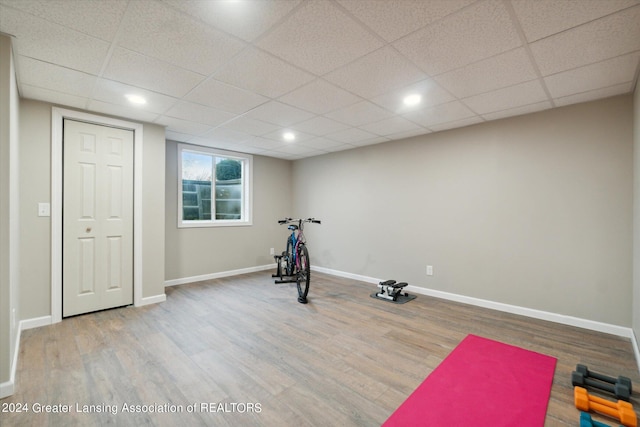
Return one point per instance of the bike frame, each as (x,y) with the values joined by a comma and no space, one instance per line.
(294,269)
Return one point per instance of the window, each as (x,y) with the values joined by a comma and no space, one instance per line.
(214,187)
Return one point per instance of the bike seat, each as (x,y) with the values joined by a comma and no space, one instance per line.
(292,227)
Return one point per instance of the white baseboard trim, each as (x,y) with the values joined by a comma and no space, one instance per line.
(636,348)
(36,322)
(185,280)
(353,276)
(514,309)
(152,300)
(7,388)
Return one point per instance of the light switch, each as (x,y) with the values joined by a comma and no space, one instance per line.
(44,209)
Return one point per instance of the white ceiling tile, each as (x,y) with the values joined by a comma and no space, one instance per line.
(392,19)
(474,33)
(390,126)
(527,109)
(457,124)
(409,134)
(199,113)
(251,126)
(182,126)
(432,94)
(324,144)
(340,147)
(319,37)
(95,18)
(376,73)
(294,148)
(261,72)
(45,74)
(278,113)
(442,113)
(125,112)
(278,135)
(263,143)
(594,76)
(359,114)
(227,135)
(370,141)
(352,135)
(319,97)
(114,92)
(212,142)
(48,95)
(594,94)
(177,136)
(605,38)
(542,18)
(510,97)
(246,19)
(148,73)
(49,42)
(505,69)
(319,125)
(156,30)
(225,97)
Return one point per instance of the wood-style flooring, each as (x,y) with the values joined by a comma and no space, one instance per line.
(241,351)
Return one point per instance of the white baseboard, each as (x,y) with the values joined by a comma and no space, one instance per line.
(152,300)
(36,322)
(514,309)
(185,280)
(7,388)
(636,349)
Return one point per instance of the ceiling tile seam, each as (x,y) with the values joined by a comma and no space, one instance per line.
(495,90)
(592,63)
(66,27)
(359,22)
(278,23)
(620,11)
(630,82)
(198,19)
(112,46)
(509,109)
(462,9)
(527,48)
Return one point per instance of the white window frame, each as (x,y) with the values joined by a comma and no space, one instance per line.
(247,188)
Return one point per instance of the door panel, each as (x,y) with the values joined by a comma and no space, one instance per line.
(97,218)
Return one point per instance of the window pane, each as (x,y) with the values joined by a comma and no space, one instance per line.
(197,173)
(228,188)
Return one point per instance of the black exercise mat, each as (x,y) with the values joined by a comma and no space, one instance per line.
(400,300)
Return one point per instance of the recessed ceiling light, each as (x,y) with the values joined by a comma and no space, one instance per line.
(136,99)
(413,99)
(289,136)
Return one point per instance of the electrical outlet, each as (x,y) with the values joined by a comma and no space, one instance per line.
(44,209)
(429,270)
(272,251)
(13,318)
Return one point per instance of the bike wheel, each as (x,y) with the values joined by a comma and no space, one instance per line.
(304,274)
(289,256)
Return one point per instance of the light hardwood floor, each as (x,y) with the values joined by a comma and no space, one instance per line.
(344,359)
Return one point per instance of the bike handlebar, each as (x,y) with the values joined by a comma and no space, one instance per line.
(288,220)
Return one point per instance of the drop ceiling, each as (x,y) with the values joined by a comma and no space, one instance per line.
(237,74)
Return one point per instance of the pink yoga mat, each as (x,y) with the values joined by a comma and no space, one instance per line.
(481,383)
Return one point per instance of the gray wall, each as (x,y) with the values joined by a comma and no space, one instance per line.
(533,211)
(636,214)
(35,232)
(9,215)
(192,252)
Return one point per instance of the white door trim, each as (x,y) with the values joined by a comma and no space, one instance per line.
(57,117)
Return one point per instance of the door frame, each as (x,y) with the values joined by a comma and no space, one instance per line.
(57,117)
